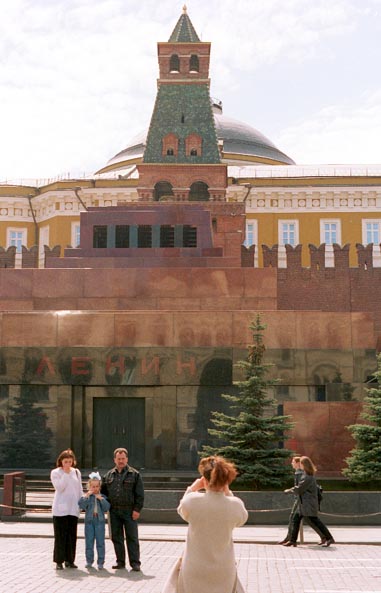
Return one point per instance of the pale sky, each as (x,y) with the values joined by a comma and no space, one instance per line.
(78,77)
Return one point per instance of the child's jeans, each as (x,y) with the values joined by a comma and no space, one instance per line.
(95,531)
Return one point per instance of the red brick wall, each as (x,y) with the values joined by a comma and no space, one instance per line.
(320,432)
(331,289)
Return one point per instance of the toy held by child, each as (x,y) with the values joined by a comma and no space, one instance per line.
(95,506)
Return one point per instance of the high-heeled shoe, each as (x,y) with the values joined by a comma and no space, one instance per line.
(328,542)
(322,542)
(290,544)
(284,541)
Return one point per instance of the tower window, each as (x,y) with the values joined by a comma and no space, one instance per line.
(194,65)
(193,145)
(170,145)
(174,64)
(162,189)
(182,118)
(199,192)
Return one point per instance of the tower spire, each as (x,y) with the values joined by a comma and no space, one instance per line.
(184,31)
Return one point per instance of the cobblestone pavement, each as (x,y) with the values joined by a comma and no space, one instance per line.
(26,567)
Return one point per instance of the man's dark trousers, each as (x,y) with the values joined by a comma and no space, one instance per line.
(123,525)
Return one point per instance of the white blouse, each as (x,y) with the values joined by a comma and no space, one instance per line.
(68,491)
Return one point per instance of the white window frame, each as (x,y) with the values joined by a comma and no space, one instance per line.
(329,254)
(376,245)
(75,230)
(43,240)
(281,223)
(43,237)
(24,237)
(282,257)
(373,221)
(330,221)
(252,229)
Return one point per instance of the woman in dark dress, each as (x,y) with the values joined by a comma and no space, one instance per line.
(308,505)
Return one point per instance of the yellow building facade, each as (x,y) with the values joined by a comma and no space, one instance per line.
(285,204)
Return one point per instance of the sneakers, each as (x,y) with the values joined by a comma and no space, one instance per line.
(59,566)
(100,566)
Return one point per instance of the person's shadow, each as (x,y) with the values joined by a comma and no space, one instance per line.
(78,574)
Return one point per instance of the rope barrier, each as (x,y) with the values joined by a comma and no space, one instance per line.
(49,510)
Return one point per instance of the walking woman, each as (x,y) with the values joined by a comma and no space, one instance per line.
(67,483)
(208,563)
(306,491)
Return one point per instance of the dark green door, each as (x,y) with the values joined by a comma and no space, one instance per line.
(118,422)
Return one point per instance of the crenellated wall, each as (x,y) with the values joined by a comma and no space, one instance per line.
(337,288)
(226,237)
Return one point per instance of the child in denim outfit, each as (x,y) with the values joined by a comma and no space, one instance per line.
(95,504)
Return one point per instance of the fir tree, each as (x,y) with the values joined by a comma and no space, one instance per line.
(250,435)
(364,461)
(27,442)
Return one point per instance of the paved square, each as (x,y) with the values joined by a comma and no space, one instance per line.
(26,567)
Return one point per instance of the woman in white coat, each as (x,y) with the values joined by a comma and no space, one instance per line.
(208,563)
(67,483)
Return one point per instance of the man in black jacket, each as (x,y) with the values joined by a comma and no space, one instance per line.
(124,489)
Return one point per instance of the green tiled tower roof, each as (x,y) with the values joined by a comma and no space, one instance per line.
(182,109)
(184,31)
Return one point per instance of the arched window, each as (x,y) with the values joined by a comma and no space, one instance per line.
(161,189)
(193,145)
(174,63)
(198,192)
(194,65)
(170,145)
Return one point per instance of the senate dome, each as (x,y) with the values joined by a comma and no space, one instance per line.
(239,143)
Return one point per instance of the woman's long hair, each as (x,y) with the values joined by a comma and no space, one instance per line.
(308,466)
(217,471)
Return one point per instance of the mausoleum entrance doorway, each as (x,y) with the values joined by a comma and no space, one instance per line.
(118,422)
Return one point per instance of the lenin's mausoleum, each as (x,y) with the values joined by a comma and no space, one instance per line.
(125,299)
